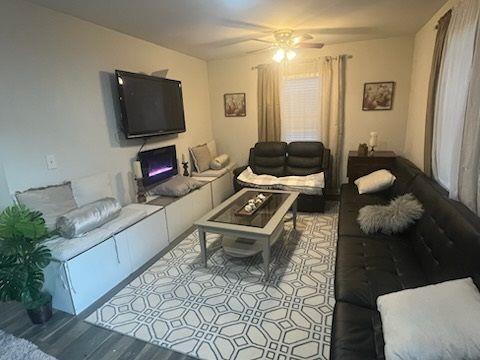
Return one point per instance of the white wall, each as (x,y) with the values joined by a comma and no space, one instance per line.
(57,97)
(4,194)
(374,60)
(422,63)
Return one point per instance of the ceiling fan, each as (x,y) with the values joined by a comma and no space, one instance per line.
(286,42)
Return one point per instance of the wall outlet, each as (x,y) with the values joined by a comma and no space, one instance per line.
(51,162)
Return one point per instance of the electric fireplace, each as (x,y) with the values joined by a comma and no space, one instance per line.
(158,164)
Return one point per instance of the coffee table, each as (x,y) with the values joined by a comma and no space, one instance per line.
(265,225)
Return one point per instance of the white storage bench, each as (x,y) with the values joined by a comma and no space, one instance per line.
(79,276)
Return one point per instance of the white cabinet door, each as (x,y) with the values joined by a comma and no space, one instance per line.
(96,271)
(222,188)
(184,212)
(146,238)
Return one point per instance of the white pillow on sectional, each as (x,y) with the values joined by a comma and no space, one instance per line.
(376,181)
(440,321)
(92,188)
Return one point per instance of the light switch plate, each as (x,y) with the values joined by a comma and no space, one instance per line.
(51,162)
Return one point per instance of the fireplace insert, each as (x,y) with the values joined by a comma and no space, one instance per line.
(158,164)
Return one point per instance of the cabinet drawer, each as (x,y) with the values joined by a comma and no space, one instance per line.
(182,213)
(146,238)
(96,271)
(222,189)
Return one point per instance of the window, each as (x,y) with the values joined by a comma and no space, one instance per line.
(301,109)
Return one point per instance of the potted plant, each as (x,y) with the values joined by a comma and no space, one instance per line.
(22,259)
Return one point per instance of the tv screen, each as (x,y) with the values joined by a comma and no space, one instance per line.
(150,105)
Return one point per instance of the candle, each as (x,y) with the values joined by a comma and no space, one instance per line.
(137,170)
(183,158)
(373,139)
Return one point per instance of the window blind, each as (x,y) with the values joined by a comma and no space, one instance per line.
(301,109)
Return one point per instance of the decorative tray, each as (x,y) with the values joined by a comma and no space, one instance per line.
(243,212)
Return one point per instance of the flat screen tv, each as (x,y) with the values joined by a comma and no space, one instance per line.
(150,105)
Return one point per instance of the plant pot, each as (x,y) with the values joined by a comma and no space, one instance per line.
(41,314)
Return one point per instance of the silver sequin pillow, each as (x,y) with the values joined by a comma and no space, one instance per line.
(77,222)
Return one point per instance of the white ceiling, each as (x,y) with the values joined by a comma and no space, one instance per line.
(211,29)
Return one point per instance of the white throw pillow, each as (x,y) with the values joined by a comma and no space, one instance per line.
(376,181)
(440,321)
(219,162)
(92,188)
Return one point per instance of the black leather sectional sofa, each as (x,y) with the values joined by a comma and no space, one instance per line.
(443,245)
(296,158)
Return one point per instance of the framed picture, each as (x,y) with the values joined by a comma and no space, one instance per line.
(235,105)
(378,96)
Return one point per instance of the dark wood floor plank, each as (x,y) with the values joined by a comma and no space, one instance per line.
(35,332)
(133,350)
(112,348)
(86,344)
(69,336)
(153,352)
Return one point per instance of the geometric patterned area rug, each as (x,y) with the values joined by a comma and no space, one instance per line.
(228,310)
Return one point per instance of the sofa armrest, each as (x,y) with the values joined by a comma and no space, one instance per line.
(239,170)
(236,172)
(327,167)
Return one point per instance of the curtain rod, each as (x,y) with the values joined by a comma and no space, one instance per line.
(306,60)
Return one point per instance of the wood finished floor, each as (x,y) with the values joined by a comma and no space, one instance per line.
(68,337)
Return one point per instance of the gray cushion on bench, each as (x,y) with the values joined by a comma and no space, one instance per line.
(176,186)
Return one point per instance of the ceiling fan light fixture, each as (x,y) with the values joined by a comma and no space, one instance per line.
(291,55)
(279,55)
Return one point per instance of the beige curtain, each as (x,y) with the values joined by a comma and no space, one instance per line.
(269,122)
(469,172)
(443,24)
(333,111)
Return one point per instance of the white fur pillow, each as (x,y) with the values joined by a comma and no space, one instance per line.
(376,181)
(393,218)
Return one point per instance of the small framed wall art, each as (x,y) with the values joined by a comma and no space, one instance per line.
(235,105)
(378,95)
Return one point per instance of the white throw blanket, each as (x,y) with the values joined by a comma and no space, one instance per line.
(313,183)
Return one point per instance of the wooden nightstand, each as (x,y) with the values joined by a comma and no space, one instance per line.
(359,166)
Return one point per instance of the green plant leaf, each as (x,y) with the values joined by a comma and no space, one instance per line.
(22,256)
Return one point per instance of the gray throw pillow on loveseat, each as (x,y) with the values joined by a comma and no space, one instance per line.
(393,218)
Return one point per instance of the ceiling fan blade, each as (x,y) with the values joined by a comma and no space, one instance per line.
(236,40)
(338,31)
(303,45)
(264,41)
(298,39)
(246,25)
(260,50)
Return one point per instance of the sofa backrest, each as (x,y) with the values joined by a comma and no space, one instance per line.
(304,158)
(405,171)
(446,239)
(269,158)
